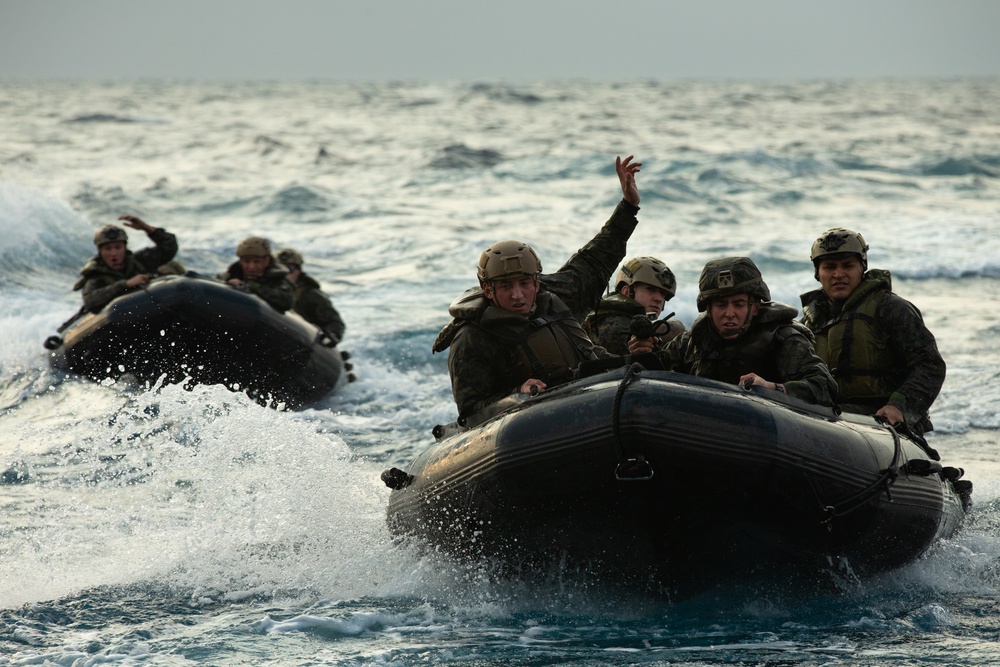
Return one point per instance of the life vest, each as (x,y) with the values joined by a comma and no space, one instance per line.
(857,355)
(547,347)
(95,269)
(713,357)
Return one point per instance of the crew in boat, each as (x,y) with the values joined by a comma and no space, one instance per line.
(115,269)
(742,337)
(259,273)
(643,287)
(311,302)
(884,358)
(520,330)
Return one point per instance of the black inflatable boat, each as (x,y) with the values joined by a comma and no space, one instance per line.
(676,483)
(201,331)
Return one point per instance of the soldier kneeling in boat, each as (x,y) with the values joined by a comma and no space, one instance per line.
(742,337)
(259,273)
(885,359)
(643,287)
(311,302)
(520,331)
(116,270)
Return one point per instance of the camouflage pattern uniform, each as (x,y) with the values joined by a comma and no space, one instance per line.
(315,307)
(101,284)
(774,347)
(608,325)
(482,355)
(273,287)
(906,370)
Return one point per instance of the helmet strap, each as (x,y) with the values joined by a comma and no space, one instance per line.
(750,315)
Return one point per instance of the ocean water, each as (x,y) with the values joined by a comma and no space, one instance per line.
(158,526)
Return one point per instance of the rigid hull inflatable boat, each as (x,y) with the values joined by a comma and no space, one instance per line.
(202,331)
(676,483)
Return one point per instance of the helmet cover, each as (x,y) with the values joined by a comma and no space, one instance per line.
(650,271)
(110,234)
(508,258)
(253,246)
(839,241)
(728,276)
(290,256)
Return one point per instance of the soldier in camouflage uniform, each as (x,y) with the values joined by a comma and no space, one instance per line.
(743,337)
(116,270)
(310,301)
(883,357)
(259,273)
(643,285)
(520,330)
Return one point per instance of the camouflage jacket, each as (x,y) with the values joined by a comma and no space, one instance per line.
(273,287)
(608,324)
(100,283)
(775,347)
(891,358)
(315,307)
(479,363)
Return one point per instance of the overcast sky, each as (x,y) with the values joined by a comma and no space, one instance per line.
(378,40)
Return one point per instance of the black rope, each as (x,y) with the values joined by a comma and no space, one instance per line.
(883,483)
(629,468)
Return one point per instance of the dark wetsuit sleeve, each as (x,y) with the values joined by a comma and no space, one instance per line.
(474,364)
(161,253)
(583,279)
(914,349)
(803,373)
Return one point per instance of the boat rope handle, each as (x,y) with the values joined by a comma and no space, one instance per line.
(883,483)
(629,468)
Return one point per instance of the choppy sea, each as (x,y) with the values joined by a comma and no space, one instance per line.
(159,526)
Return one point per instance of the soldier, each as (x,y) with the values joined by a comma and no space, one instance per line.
(643,285)
(883,357)
(743,337)
(520,330)
(310,301)
(116,270)
(259,273)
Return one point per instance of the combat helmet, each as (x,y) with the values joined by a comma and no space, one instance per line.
(839,241)
(729,276)
(253,246)
(507,258)
(290,256)
(647,270)
(110,234)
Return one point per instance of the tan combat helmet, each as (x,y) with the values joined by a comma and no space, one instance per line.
(507,258)
(839,241)
(110,234)
(647,270)
(253,246)
(290,256)
(729,276)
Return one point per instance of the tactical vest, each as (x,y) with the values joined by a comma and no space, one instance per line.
(547,347)
(97,270)
(753,352)
(857,355)
(615,305)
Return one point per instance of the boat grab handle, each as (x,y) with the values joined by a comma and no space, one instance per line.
(630,468)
